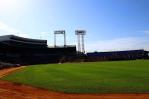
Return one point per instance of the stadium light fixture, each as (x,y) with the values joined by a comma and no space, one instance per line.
(57,33)
(80,35)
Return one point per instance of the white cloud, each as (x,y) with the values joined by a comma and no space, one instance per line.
(7,30)
(130,43)
(146,31)
(44,35)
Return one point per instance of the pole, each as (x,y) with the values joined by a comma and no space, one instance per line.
(64,39)
(79,45)
(54,40)
(83,50)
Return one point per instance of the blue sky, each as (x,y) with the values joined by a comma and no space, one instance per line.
(110,24)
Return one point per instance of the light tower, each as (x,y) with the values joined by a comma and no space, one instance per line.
(60,32)
(80,35)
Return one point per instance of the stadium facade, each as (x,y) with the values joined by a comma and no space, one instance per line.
(25,51)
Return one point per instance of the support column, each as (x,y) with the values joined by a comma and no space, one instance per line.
(83,48)
(79,45)
(64,39)
(54,40)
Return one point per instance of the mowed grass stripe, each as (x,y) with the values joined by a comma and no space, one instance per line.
(94,77)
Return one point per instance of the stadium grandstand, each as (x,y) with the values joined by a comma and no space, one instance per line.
(15,51)
(118,55)
(25,51)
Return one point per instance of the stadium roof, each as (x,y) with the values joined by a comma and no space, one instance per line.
(13,40)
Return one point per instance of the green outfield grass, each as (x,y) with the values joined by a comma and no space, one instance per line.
(94,77)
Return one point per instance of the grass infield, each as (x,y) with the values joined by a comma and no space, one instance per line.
(93,77)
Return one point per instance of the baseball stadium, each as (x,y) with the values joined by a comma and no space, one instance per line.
(74,49)
(66,70)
